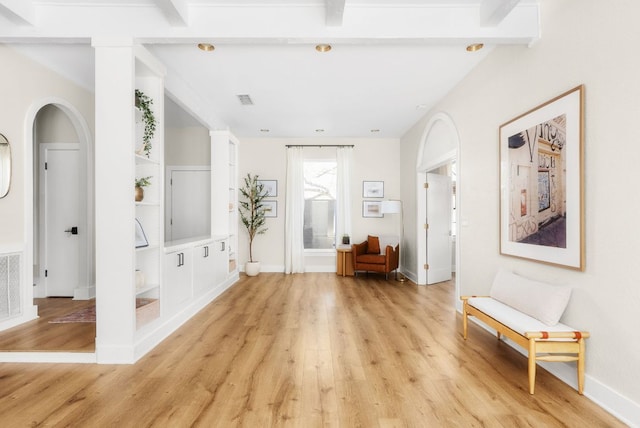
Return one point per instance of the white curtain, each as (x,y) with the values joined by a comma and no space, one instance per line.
(294,212)
(344,157)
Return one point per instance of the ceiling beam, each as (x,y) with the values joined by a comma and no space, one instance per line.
(334,12)
(20,12)
(230,23)
(493,12)
(176,11)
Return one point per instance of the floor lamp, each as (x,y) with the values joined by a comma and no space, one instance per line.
(394,206)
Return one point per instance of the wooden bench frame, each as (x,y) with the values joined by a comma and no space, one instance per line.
(570,349)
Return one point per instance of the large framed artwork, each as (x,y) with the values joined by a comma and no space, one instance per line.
(542,184)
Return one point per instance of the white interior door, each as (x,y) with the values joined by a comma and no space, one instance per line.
(189,212)
(439,193)
(60,208)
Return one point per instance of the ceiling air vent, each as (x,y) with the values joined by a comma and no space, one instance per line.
(245,100)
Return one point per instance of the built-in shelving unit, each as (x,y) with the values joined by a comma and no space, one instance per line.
(128,321)
(150,211)
(145,287)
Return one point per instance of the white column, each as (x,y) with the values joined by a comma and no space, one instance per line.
(114,207)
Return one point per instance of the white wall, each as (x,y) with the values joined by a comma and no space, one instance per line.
(188,146)
(584,42)
(24,84)
(374,159)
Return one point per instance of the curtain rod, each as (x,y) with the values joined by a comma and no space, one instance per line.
(319,145)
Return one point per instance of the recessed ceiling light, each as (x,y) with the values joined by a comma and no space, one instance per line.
(421,107)
(475,47)
(323,47)
(207,47)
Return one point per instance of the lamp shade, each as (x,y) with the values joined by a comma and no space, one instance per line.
(391,207)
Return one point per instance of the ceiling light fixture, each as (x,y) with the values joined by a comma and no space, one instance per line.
(207,47)
(475,47)
(264,130)
(319,130)
(375,130)
(323,47)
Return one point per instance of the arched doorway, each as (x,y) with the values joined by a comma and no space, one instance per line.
(54,123)
(438,150)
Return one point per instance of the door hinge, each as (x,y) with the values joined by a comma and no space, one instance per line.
(171,182)
(426,185)
(46,165)
(46,273)
(426,266)
(426,226)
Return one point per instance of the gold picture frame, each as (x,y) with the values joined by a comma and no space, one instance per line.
(542,183)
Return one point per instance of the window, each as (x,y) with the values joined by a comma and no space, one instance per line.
(319,204)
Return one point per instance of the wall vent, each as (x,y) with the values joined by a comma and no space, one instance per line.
(245,100)
(9,286)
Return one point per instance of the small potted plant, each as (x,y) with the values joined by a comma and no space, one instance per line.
(140,183)
(252,216)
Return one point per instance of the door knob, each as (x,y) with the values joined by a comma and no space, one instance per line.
(73,230)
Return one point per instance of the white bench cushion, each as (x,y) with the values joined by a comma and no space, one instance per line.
(539,300)
(512,318)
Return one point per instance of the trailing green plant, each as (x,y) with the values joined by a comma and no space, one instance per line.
(251,209)
(143,102)
(143,181)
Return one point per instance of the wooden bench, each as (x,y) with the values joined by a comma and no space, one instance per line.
(545,340)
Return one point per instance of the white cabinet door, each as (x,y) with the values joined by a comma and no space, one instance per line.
(177,286)
(203,268)
(221,264)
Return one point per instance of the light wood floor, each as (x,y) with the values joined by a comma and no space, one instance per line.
(40,335)
(312,350)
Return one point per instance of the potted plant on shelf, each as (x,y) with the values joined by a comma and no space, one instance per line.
(143,103)
(140,183)
(252,216)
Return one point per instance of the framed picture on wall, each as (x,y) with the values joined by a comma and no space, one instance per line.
(372,209)
(270,208)
(541,183)
(373,189)
(270,187)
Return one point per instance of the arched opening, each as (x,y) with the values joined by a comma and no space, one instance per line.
(54,129)
(437,154)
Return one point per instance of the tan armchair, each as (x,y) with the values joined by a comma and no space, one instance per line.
(367,257)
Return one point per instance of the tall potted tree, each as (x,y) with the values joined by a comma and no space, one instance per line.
(252,216)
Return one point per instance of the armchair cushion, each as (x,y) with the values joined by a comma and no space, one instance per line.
(371,258)
(373,245)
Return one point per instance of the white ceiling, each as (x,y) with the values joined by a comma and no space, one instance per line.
(391,60)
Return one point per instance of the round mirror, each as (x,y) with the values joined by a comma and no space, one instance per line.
(5,166)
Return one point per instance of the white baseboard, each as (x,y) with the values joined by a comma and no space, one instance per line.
(85,293)
(29,314)
(610,400)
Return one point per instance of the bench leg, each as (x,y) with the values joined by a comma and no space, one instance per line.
(581,366)
(465,321)
(532,365)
